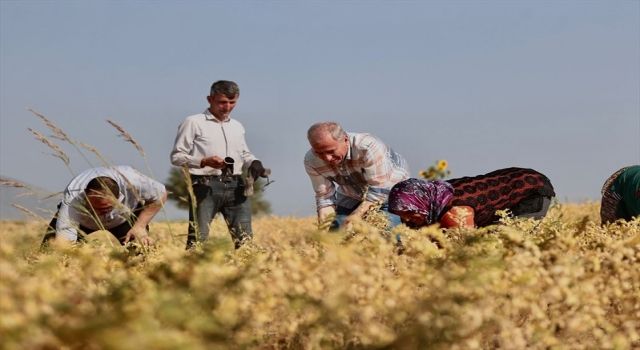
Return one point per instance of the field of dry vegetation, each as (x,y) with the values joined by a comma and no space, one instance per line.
(564,283)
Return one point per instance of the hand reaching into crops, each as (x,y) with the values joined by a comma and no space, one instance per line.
(326,216)
(140,235)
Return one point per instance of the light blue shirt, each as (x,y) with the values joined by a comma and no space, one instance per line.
(135,189)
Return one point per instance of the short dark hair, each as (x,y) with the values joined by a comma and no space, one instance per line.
(103,185)
(225,87)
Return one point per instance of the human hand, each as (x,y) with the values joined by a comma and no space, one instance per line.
(348,222)
(326,216)
(213,161)
(256,169)
(139,234)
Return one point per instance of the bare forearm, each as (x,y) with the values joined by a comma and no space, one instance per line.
(149,212)
(361,209)
(325,213)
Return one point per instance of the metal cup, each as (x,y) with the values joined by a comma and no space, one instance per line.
(228,166)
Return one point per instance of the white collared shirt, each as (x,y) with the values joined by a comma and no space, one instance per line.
(203,135)
(135,189)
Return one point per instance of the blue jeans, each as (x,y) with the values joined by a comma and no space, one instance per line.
(216,194)
(342,213)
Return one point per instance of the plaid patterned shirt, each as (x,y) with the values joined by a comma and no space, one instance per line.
(367,173)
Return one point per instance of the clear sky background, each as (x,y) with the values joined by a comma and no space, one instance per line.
(550,85)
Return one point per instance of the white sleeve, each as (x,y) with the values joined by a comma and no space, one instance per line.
(247,156)
(325,190)
(181,153)
(65,227)
(148,189)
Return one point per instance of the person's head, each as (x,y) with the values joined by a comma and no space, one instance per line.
(102,194)
(222,98)
(419,202)
(329,142)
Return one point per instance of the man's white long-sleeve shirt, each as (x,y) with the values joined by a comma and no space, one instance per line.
(135,189)
(203,135)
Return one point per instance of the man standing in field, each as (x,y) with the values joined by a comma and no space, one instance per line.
(349,173)
(213,147)
(118,199)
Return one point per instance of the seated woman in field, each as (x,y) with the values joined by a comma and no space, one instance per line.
(621,195)
(471,201)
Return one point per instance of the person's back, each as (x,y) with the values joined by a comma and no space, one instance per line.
(523,191)
(118,199)
(621,195)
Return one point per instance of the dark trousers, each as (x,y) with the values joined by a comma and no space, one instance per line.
(118,232)
(216,194)
(535,207)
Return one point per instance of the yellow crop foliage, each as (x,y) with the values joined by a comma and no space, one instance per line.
(563,282)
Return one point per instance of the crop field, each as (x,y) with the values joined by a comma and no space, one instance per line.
(561,283)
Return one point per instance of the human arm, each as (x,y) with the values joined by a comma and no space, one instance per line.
(326,215)
(358,213)
(183,153)
(250,162)
(213,162)
(149,193)
(66,228)
(324,191)
(139,229)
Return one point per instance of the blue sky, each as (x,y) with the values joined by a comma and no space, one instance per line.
(549,85)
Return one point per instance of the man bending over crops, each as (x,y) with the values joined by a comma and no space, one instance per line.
(350,172)
(118,199)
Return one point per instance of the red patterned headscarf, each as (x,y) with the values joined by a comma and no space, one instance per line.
(428,198)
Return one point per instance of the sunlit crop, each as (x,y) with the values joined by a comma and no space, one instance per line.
(561,283)
(564,282)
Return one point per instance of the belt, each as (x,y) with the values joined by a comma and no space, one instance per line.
(222,178)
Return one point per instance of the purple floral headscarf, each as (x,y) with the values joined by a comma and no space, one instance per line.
(427,198)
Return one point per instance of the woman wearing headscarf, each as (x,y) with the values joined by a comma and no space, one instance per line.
(621,195)
(471,201)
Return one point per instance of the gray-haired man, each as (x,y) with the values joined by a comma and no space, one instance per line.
(350,172)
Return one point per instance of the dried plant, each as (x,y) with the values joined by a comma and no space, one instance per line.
(97,153)
(57,151)
(563,282)
(27,211)
(12,183)
(57,132)
(127,137)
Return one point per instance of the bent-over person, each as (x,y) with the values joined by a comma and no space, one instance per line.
(350,172)
(472,201)
(118,199)
(621,195)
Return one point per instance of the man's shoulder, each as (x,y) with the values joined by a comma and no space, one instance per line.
(114,172)
(311,159)
(195,117)
(236,123)
(364,140)
(308,155)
